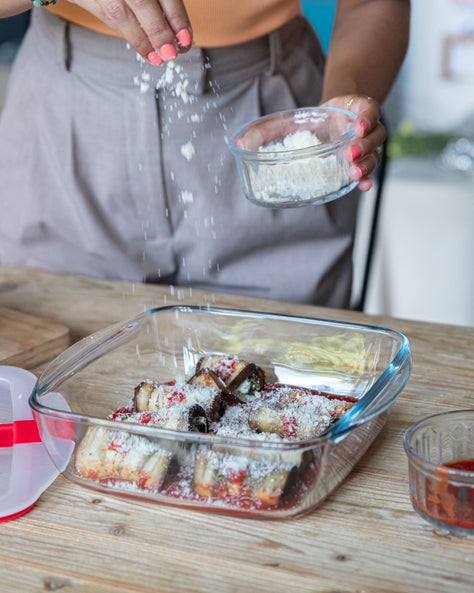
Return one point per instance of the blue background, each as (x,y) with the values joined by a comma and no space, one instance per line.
(321,15)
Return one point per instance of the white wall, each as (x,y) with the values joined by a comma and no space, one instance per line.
(432,101)
(424,261)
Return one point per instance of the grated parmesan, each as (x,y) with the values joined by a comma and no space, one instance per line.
(187,197)
(187,150)
(301,179)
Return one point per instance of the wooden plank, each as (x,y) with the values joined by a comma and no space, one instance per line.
(27,340)
(365,537)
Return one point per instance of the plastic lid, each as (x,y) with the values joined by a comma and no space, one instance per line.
(26,469)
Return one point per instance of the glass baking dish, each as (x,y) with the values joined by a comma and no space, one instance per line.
(75,398)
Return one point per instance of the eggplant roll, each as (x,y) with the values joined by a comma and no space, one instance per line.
(218,474)
(116,455)
(241,378)
(296,413)
(151,397)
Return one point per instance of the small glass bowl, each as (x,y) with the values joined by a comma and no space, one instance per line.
(440,493)
(295,158)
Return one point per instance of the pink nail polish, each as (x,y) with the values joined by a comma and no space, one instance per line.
(184,38)
(362,170)
(154,58)
(365,127)
(168,52)
(356,152)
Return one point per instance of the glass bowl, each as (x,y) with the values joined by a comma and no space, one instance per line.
(253,475)
(440,451)
(295,158)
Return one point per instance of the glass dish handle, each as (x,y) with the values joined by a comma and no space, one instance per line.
(85,351)
(375,401)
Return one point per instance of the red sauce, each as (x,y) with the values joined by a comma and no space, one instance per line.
(121,412)
(466,465)
(443,501)
(175,397)
(290,425)
(225,368)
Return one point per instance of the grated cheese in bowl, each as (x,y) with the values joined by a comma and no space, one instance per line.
(293,158)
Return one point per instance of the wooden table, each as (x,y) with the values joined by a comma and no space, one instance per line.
(365,538)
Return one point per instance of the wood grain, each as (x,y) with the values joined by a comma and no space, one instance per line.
(365,538)
(27,340)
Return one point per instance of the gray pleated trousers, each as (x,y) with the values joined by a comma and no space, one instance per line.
(114,168)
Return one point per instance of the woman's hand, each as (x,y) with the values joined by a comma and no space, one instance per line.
(364,60)
(362,153)
(156,29)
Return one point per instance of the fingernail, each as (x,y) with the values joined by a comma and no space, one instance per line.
(362,170)
(356,152)
(184,38)
(367,185)
(252,140)
(168,52)
(365,126)
(154,58)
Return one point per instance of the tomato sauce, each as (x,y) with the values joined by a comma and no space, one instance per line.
(466,465)
(447,502)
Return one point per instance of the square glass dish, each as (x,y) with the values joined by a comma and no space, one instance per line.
(85,405)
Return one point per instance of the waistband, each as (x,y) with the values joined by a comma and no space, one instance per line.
(111,60)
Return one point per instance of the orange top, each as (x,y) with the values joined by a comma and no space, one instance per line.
(215,23)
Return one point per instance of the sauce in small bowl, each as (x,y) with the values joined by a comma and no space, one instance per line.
(440,451)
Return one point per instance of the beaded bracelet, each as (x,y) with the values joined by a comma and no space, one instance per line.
(43,2)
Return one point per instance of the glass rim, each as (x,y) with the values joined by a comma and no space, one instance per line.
(44,386)
(424,463)
(276,156)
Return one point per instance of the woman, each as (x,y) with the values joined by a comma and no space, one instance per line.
(114,164)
